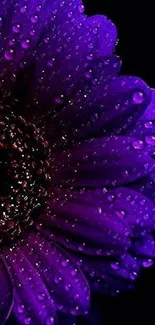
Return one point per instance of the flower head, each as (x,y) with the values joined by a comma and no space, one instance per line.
(76,162)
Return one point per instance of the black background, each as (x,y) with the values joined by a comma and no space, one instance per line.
(135,21)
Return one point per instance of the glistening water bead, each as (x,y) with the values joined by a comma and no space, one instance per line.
(24,173)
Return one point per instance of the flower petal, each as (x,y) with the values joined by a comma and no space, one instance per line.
(105,161)
(116,103)
(86,40)
(146,186)
(150,112)
(66,283)
(110,285)
(125,100)
(145,128)
(85,227)
(125,266)
(103,106)
(7,295)
(79,114)
(27,24)
(110,276)
(131,206)
(32,302)
(65,53)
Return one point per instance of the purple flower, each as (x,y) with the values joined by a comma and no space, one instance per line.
(76,162)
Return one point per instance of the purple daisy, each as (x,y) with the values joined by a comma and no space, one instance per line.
(76,162)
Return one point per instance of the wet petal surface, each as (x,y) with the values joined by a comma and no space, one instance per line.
(65,282)
(105,161)
(85,226)
(32,302)
(7,295)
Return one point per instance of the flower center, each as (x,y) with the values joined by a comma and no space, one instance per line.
(24,174)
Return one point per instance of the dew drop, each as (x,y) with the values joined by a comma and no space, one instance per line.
(106,62)
(12,42)
(23,9)
(133,276)
(74,272)
(65,263)
(70,14)
(32,32)
(50,63)
(117,107)
(49,321)
(111,198)
(81,8)
(115,266)
(25,44)
(59,100)
(16,28)
(138,97)
(1,21)
(20,309)
(148,125)
(150,139)
(27,321)
(68,287)
(147,263)
(41,296)
(9,54)
(138,144)
(57,279)
(75,310)
(88,74)
(34,19)
(38,8)
(90,57)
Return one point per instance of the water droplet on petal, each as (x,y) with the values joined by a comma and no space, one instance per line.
(9,54)
(1,21)
(88,74)
(138,144)
(111,198)
(21,309)
(68,287)
(27,321)
(90,56)
(106,62)
(70,14)
(50,63)
(57,279)
(117,107)
(23,9)
(41,296)
(81,8)
(59,100)
(16,28)
(38,8)
(138,97)
(147,263)
(49,321)
(65,263)
(34,19)
(12,42)
(148,125)
(150,139)
(25,44)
